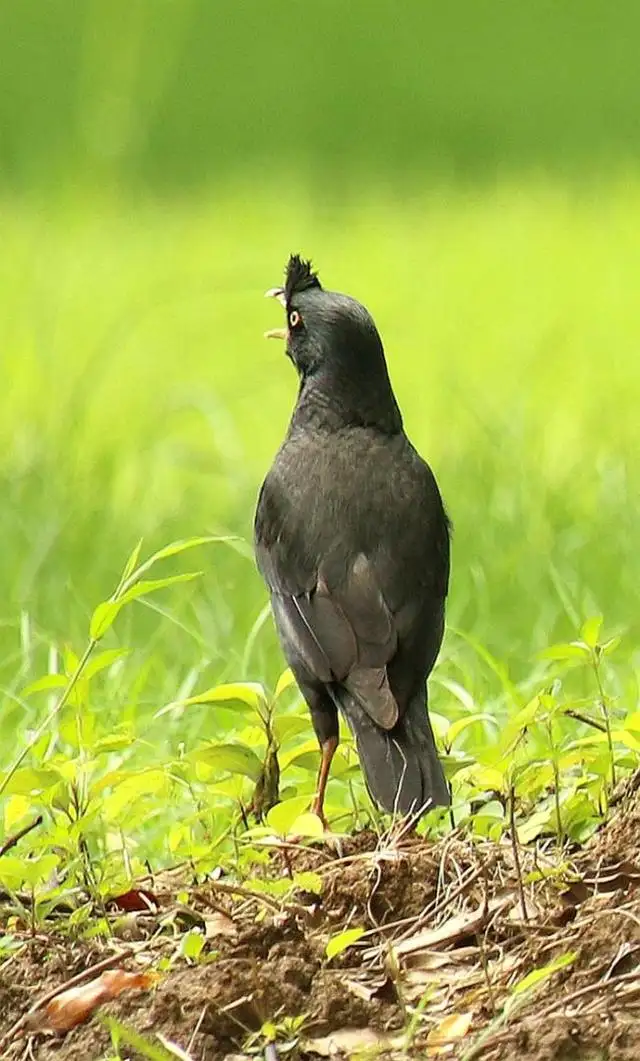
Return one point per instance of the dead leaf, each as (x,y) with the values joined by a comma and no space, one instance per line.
(456,928)
(219,924)
(75,1005)
(447,1033)
(431,960)
(416,981)
(133,900)
(349,1040)
(370,988)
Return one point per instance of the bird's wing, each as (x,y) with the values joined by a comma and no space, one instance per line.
(338,629)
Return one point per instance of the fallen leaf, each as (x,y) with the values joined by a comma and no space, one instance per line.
(430,960)
(370,988)
(350,1040)
(447,1033)
(456,928)
(416,981)
(75,1005)
(219,924)
(133,900)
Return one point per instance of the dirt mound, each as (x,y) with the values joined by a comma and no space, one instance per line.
(459,955)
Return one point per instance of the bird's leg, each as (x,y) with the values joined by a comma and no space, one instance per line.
(328,749)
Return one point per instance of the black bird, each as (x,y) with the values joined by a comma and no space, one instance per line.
(352,539)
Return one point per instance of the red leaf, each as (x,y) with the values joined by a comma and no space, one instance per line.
(75,1005)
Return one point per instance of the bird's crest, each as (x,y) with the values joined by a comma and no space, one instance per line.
(300,277)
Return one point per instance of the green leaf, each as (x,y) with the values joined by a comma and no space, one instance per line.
(130,789)
(192,944)
(151,585)
(590,631)
(440,724)
(173,549)
(229,758)
(574,650)
(282,817)
(103,660)
(306,761)
(130,565)
(103,618)
(305,755)
(182,544)
(307,824)
(285,681)
(308,881)
(114,742)
(338,944)
(458,727)
(15,871)
(146,1048)
(483,777)
(627,738)
(545,971)
(461,694)
(525,716)
(287,726)
(45,684)
(251,694)
(70,659)
(534,825)
(107,611)
(610,646)
(29,780)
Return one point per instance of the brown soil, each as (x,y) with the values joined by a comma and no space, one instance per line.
(446,936)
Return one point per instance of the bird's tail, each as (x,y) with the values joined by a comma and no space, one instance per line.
(401,766)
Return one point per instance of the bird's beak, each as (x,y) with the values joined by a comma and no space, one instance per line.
(276,333)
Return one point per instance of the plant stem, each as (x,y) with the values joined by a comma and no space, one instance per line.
(516,853)
(55,710)
(595,663)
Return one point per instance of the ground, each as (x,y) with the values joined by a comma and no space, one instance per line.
(435,973)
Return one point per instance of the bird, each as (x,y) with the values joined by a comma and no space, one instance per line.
(352,539)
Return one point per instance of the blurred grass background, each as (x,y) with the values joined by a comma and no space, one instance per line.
(470,172)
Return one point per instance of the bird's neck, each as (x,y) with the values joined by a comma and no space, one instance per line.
(329,401)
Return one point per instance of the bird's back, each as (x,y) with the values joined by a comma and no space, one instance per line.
(332,495)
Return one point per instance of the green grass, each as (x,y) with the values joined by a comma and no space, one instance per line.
(139,399)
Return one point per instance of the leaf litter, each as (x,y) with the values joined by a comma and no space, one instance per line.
(441,961)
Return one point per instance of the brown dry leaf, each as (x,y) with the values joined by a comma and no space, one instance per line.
(429,961)
(349,1040)
(458,927)
(135,899)
(75,1005)
(447,1033)
(535,912)
(451,977)
(219,924)
(367,989)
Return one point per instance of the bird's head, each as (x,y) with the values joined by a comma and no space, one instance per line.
(324,329)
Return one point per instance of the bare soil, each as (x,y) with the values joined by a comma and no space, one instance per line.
(446,942)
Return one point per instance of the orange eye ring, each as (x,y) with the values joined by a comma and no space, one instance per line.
(294,319)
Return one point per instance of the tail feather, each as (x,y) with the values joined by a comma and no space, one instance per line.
(401,766)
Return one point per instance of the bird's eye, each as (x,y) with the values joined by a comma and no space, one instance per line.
(294,319)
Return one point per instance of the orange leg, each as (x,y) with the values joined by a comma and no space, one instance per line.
(328,749)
